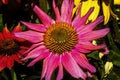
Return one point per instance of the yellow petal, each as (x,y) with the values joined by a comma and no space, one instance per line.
(76,3)
(86,5)
(106,12)
(116,2)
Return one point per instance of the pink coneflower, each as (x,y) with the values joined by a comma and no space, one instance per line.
(63,42)
(11,48)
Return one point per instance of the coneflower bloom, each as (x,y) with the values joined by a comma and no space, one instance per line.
(10,48)
(63,42)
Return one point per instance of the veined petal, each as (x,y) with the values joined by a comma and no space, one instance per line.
(45,66)
(60,72)
(46,20)
(56,10)
(82,20)
(72,67)
(43,55)
(82,61)
(69,16)
(35,52)
(31,36)
(64,10)
(94,34)
(36,27)
(106,12)
(53,63)
(33,47)
(79,48)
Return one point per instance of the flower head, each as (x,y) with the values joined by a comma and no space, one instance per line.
(63,42)
(10,48)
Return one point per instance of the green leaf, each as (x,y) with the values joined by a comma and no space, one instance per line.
(115,57)
(94,55)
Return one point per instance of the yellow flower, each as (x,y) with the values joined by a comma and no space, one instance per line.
(86,5)
(116,2)
(106,9)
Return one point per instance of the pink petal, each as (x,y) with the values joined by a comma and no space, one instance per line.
(46,20)
(60,72)
(40,57)
(64,10)
(31,36)
(35,52)
(69,16)
(72,67)
(79,48)
(36,27)
(94,34)
(87,28)
(45,66)
(93,24)
(82,61)
(53,63)
(81,21)
(56,10)
(90,46)
(34,46)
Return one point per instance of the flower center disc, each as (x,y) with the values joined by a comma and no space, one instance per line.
(60,37)
(8,47)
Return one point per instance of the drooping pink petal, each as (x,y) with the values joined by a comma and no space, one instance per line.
(72,67)
(89,74)
(31,36)
(82,61)
(90,46)
(81,21)
(45,66)
(56,10)
(53,63)
(35,52)
(43,55)
(33,47)
(64,10)
(36,27)
(60,72)
(46,20)
(94,34)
